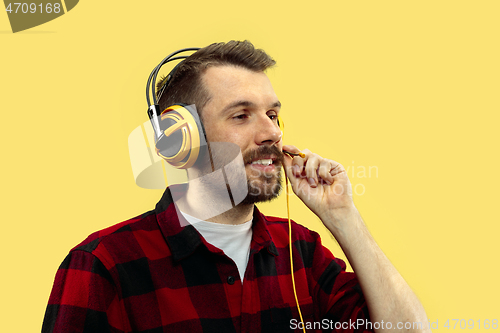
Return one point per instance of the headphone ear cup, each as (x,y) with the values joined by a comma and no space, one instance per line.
(169,146)
(182,136)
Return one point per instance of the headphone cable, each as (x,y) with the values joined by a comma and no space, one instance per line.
(291,255)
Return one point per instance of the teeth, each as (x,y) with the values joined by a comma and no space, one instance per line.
(263,162)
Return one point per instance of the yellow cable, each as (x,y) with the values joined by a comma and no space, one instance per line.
(282,128)
(291,255)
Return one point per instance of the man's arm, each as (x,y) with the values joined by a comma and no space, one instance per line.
(324,187)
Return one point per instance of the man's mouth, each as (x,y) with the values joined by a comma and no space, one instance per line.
(265,164)
(265,158)
(264,161)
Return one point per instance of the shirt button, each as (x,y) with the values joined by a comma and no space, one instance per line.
(230,279)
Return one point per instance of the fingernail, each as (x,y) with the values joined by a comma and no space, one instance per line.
(311,181)
(296,170)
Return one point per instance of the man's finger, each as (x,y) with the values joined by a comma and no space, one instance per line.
(311,168)
(324,171)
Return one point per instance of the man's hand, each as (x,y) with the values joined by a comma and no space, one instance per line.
(324,187)
(322,184)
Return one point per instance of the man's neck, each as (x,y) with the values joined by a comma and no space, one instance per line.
(204,203)
(237,215)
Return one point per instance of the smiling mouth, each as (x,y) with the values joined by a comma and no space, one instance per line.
(265,158)
(265,162)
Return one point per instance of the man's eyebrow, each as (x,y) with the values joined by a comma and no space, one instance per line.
(247,104)
(238,104)
(276,105)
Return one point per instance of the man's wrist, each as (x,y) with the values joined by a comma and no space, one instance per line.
(344,223)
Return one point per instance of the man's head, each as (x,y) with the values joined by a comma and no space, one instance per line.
(237,104)
(186,85)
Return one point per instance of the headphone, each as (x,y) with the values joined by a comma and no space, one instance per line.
(179,133)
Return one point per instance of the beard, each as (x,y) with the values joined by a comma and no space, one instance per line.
(263,186)
(263,189)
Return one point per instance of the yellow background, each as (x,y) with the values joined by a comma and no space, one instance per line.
(410,87)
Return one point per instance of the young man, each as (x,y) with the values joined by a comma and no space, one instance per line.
(167,270)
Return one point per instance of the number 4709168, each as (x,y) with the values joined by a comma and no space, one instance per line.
(23,7)
(469,324)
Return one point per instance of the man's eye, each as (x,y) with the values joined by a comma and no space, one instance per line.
(240,116)
(273,117)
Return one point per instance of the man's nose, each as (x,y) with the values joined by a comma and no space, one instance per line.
(267,131)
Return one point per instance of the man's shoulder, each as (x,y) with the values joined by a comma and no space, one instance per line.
(278,227)
(120,235)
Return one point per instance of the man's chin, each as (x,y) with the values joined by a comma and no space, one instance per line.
(263,189)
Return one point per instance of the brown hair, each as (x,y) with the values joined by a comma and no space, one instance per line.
(186,85)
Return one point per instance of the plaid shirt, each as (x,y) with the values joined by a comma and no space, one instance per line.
(149,274)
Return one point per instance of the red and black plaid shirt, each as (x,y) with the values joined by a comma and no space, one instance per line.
(149,274)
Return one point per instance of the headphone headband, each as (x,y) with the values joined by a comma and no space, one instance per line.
(178,130)
(154,109)
(151,84)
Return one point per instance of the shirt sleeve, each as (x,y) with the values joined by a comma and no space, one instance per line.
(340,296)
(83,298)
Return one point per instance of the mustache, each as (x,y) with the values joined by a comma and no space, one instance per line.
(265,151)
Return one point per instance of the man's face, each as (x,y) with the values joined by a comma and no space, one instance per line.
(243,110)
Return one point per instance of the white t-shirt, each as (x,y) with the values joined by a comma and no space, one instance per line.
(234,240)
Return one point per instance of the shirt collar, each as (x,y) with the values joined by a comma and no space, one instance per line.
(183,239)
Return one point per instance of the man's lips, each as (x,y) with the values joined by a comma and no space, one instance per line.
(268,157)
(268,163)
(265,168)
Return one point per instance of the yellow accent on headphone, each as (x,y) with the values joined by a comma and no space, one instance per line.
(281,124)
(190,144)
